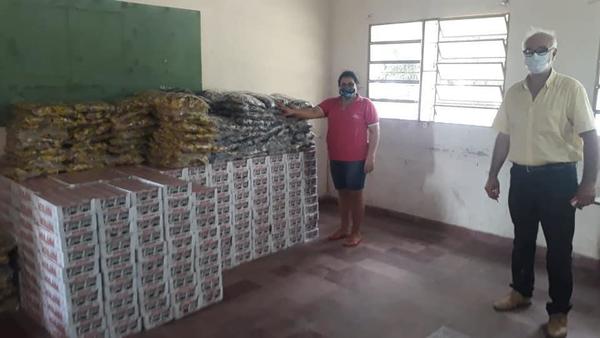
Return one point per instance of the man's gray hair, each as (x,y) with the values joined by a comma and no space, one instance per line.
(535,30)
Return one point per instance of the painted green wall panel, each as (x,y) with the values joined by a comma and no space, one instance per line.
(91,65)
(77,50)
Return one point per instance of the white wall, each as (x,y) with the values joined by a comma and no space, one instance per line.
(438,171)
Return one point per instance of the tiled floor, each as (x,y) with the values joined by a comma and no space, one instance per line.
(405,281)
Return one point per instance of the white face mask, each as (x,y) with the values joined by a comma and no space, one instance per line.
(538,63)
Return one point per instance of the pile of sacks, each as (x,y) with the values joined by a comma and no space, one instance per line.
(89,136)
(37,140)
(250,124)
(132,126)
(184,135)
(8,291)
(164,129)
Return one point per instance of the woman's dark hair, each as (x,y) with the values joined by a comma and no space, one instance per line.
(348,73)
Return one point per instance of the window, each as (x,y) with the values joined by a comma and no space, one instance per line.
(439,70)
(597,97)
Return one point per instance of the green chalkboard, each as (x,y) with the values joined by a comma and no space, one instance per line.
(80,50)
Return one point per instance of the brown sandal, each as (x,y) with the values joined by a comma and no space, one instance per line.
(336,236)
(352,242)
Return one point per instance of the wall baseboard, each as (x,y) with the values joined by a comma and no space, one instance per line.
(579,261)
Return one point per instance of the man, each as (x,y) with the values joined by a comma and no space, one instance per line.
(545,126)
(352,140)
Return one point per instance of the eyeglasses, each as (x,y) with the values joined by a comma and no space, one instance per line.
(542,51)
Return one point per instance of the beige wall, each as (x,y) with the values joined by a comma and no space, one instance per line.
(438,171)
(263,45)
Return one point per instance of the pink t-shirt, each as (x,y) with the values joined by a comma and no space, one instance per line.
(347,136)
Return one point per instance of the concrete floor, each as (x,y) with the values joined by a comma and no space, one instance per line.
(405,281)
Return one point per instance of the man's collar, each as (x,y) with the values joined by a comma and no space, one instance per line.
(549,82)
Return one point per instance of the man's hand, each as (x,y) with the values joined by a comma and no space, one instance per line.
(369,165)
(492,188)
(586,194)
(287,112)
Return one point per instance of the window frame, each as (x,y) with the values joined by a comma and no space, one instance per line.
(419,118)
(596,101)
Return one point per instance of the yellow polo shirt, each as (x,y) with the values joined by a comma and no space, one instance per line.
(546,130)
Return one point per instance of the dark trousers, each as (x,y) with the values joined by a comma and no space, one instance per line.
(542,195)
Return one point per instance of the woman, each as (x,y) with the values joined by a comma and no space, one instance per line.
(352,140)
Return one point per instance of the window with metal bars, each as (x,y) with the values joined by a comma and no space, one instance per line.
(597,96)
(442,70)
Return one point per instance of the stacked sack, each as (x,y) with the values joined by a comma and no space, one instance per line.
(8,292)
(185,134)
(36,140)
(89,136)
(132,126)
(251,125)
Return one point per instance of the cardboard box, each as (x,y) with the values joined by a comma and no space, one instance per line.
(240,176)
(294,176)
(278,245)
(123,329)
(211,259)
(311,199)
(148,210)
(225,231)
(293,157)
(311,236)
(219,167)
(151,267)
(181,256)
(150,237)
(259,232)
(152,278)
(199,175)
(183,281)
(141,193)
(212,297)
(260,171)
(151,251)
(241,216)
(185,294)
(208,247)
(276,159)
(88,176)
(210,234)
(116,261)
(210,272)
(243,224)
(179,231)
(119,286)
(311,222)
(157,318)
(171,187)
(203,193)
(122,307)
(154,305)
(261,251)
(294,212)
(181,269)
(154,291)
(294,186)
(243,257)
(311,209)
(116,278)
(181,173)
(186,308)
